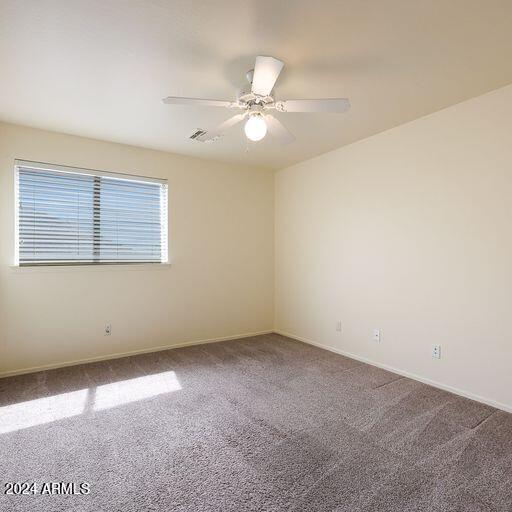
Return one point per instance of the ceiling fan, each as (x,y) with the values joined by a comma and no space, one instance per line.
(257,105)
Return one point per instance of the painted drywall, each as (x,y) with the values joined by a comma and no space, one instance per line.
(219,282)
(100,65)
(409,232)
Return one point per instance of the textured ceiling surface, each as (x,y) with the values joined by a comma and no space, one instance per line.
(99,68)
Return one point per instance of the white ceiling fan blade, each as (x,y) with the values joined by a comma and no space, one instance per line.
(223,127)
(278,130)
(200,102)
(324,105)
(266,72)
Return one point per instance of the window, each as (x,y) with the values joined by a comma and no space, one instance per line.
(69,216)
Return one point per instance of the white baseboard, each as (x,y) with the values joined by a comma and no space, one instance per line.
(404,373)
(129,353)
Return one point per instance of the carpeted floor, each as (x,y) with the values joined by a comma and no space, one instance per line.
(259,424)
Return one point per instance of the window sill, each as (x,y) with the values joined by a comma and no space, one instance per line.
(129,267)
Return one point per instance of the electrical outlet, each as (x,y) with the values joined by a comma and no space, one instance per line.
(436,351)
(376,335)
(338,325)
(108,329)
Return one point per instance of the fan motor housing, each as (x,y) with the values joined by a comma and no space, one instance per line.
(250,99)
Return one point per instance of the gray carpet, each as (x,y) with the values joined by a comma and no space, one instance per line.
(259,424)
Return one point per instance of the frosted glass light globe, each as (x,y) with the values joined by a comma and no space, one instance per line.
(255,128)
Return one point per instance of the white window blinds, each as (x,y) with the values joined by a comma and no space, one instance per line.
(76,216)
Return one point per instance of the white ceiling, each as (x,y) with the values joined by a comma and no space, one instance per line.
(99,68)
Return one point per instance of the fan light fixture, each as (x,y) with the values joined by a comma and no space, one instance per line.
(257,105)
(255,127)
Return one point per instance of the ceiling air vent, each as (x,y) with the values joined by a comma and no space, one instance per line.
(197,133)
(203,136)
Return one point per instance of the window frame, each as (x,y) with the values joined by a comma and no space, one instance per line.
(43,166)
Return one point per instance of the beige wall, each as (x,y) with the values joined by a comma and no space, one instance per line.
(409,231)
(219,283)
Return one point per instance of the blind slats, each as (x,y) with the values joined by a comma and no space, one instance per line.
(68,217)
